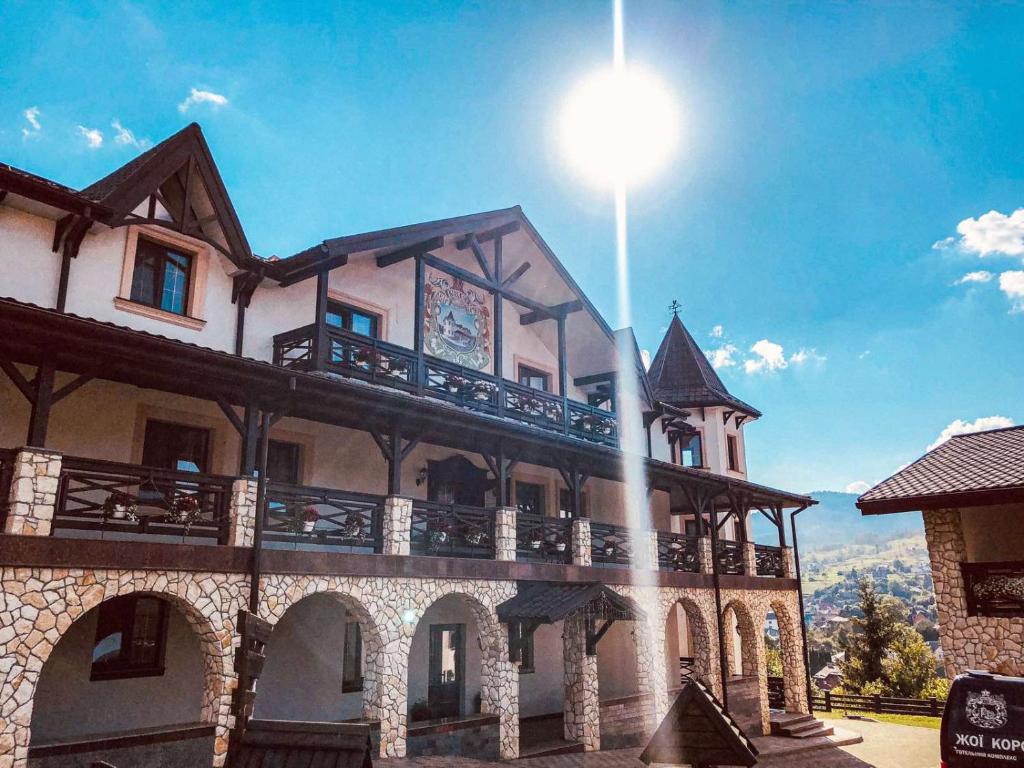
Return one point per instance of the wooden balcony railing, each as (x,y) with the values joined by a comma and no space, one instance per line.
(611,544)
(769,561)
(107,497)
(363,357)
(451,530)
(730,557)
(677,552)
(547,539)
(994,589)
(302,516)
(687,669)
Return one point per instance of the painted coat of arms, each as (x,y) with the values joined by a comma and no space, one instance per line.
(986,710)
(456,322)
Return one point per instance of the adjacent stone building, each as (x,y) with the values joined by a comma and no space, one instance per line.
(970,490)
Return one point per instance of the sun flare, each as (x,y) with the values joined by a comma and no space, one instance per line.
(619,126)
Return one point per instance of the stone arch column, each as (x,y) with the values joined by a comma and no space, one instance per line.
(791,650)
(729,642)
(582,706)
(703,636)
(40,604)
(752,651)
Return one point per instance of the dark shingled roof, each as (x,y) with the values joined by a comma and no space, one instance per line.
(977,469)
(681,374)
(551,601)
(102,189)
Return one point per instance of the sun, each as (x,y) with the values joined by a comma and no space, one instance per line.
(619,126)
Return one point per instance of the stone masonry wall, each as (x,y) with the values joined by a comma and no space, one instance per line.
(968,642)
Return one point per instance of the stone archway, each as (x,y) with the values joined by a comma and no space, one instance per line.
(700,640)
(791,650)
(748,633)
(45,603)
(320,609)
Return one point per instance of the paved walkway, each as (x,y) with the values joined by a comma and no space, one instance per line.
(884,746)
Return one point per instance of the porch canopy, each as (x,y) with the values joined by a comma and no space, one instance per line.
(547,602)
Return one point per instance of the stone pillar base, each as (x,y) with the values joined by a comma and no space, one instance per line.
(505,534)
(705,555)
(582,707)
(749,559)
(33,496)
(243,512)
(397,525)
(581,546)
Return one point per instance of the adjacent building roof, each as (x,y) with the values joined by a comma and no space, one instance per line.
(550,601)
(681,374)
(978,469)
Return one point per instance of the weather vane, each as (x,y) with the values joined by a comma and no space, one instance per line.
(674,307)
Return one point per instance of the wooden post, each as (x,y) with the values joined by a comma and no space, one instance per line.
(261,513)
(39,419)
(828,700)
(250,440)
(321,350)
(877,701)
(780,516)
(562,378)
(395,464)
(417,331)
(498,314)
(934,706)
(501,477)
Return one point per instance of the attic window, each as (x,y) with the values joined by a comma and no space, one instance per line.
(162,277)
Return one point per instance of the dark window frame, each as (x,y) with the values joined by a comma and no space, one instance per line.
(146,248)
(529,372)
(295,449)
(163,424)
(565,501)
(346,312)
(683,447)
(732,451)
(528,663)
(351,684)
(126,608)
(541,496)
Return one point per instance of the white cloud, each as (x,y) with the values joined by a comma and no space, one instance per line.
(865,353)
(959,427)
(858,487)
(981,276)
(993,233)
(722,357)
(92,136)
(807,355)
(34,126)
(1012,284)
(125,137)
(770,357)
(944,244)
(716,332)
(200,96)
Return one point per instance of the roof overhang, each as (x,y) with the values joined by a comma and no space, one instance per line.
(547,602)
(984,497)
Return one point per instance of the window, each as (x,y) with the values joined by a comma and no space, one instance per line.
(161,277)
(176,446)
(530,498)
(690,451)
(131,633)
(283,462)
(690,528)
(531,377)
(526,666)
(353,319)
(565,504)
(352,658)
(733,451)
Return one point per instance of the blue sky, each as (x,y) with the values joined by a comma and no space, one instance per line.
(829,155)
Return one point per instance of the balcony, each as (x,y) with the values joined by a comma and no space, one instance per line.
(994,589)
(389,365)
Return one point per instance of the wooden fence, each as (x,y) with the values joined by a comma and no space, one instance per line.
(887,705)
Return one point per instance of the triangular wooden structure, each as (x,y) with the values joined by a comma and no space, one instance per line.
(177,179)
(697,731)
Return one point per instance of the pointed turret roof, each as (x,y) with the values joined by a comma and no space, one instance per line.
(681,375)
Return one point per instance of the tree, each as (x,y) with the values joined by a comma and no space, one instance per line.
(773,657)
(909,666)
(873,633)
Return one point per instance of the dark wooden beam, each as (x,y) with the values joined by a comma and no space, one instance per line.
(230,415)
(563,376)
(19,381)
(462,274)
(418,304)
(556,311)
(601,378)
(499,319)
(320,340)
(410,251)
(333,262)
(516,274)
(250,440)
(71,386)
(593,638)
(39,419)
(498,232)
(470,241)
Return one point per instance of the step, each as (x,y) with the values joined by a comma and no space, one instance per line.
(790,718)
(810,733)
(553,747)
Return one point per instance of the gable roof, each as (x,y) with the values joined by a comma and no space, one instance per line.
(681,374)
(111,199)
(548,602)
(977,469)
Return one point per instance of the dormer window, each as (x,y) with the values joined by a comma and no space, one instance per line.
(162,277)
(353,319)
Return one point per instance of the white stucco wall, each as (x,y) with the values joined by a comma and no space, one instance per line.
(541,692)
(447,610)
(617,662)
(29,270)
(69,705)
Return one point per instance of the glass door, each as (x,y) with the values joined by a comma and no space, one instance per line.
(445,689)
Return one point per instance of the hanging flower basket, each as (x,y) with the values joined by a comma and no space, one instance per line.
(352,527)
(184,510)
(560,546)
(476,537)
(439,535)
(120,506)
(609,550)
(309,517)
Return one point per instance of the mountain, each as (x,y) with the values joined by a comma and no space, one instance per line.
(835,521)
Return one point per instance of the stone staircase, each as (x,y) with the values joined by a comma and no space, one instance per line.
(798,726)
